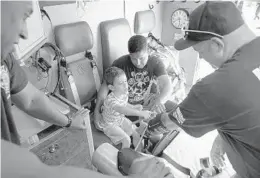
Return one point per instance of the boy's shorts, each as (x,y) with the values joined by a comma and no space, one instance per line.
(117,133)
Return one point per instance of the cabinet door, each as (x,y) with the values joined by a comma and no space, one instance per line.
(36,36)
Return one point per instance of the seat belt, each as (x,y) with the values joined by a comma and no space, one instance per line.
(73,87)
(181,168)
(71,81)
(93,64)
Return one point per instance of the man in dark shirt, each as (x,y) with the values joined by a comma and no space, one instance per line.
(228,99)
(141,69)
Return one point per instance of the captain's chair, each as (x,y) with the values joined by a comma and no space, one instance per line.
(75,40)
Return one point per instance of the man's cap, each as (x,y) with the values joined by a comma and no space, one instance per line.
(219,17)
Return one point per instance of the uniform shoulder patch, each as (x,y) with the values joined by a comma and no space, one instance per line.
(257,72)
(178,115)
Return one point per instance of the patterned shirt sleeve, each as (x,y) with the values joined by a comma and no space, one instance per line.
(112,102)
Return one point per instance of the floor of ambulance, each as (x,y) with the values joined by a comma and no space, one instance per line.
(187,150)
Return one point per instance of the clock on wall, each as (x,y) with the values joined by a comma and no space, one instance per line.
(180,18)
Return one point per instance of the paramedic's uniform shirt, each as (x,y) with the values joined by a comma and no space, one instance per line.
(229,100)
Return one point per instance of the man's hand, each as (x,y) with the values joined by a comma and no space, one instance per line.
(149,168)
(153,103)
(79,119)
(157,106)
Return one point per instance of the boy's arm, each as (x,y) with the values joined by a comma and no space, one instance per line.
(129,111)
(139,107)
(130,105)
(102,94)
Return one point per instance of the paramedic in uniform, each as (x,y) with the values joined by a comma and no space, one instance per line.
(228,99)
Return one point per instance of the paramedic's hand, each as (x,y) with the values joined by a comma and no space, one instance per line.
(150,168)
(156,105)
(79,119)
(217,153)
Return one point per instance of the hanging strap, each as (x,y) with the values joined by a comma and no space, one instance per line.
(181,168)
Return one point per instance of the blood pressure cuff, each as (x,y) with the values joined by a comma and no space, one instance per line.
(155,126)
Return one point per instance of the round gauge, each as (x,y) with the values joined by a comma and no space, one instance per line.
(180,18)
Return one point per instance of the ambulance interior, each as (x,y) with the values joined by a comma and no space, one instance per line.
(70,45)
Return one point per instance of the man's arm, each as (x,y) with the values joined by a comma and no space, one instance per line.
(35,103)
(165,89)
(192,115)
(129,111)
(32,101)
(163,80)
(102,94)
(164,85)
(19,162)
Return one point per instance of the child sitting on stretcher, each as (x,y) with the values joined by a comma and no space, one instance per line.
(114,123)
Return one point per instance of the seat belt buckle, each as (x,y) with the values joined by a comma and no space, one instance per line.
(68,72)
(93,63)
(91,59)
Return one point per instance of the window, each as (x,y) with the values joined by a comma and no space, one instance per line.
(251,14)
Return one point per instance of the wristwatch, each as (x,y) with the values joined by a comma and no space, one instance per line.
(69,121)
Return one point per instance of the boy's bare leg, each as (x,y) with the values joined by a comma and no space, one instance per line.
(126,142)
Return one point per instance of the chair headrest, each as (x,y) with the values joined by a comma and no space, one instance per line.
(114,39)
(73,38)
(144,21)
